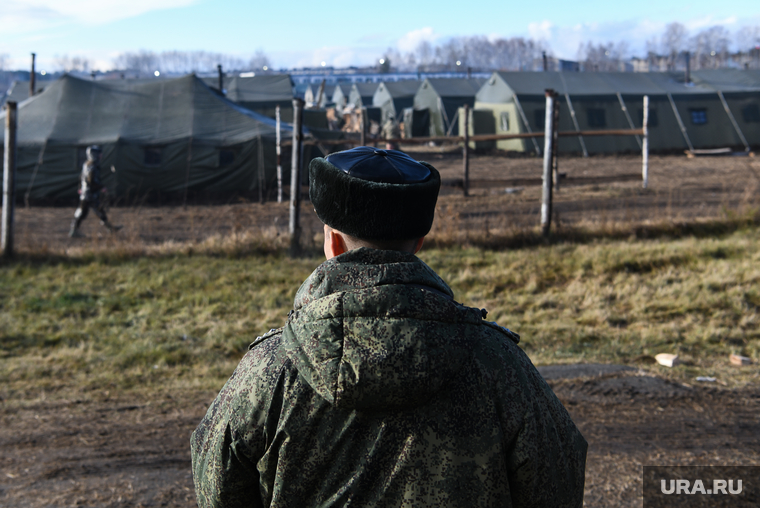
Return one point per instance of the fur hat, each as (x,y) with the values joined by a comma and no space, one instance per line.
(374,194)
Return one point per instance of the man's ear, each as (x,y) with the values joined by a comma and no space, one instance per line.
(419,245)
(335,244)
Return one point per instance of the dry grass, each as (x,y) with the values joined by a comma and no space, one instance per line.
(144,317)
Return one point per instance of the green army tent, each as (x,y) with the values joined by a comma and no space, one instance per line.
(613,100)
(361,94)
(263,94)
(168,136)
(442,97)
(340,95)
(392,97)
(18,92)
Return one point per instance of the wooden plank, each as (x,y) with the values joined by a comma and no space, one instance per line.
(478,137)
(535,182)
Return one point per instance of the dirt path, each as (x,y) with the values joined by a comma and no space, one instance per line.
(680,189)
(118,453)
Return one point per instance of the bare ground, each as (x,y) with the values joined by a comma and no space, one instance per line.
(109,451)
(113,452)
(680,189)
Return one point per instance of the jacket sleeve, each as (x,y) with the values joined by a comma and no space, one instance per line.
(231,438)
(547,458)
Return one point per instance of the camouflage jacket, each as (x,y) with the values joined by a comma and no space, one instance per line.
(381,390)
(90,184)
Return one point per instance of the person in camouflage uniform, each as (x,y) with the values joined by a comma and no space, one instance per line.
(391,130)
(381,389)
(89,193)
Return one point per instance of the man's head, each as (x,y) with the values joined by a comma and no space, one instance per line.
(374,198)
(93,152)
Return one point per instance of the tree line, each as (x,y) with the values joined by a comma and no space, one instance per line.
(707,48)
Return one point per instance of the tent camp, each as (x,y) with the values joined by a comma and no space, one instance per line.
(442,97)
(393,97)
(166,136)
(708,112)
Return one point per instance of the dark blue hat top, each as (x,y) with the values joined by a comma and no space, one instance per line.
(375,165)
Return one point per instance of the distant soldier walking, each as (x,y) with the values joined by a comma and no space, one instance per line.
(89,193)
(391,131)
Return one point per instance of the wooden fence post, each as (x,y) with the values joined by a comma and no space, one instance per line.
(645,145)
(555,145)
(546,195)
(363,126)
(466,152)
(9,180)
(295,179)
(279,152)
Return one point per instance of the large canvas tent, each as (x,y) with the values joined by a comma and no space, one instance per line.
(18,92)
(600,101)
(361,94)
(168,136)
(262,94)
(393,97)
(442,97)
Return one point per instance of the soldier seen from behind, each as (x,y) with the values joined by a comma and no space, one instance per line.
(89,193)
(381,390)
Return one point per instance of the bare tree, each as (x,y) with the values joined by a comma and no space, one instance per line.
(181,62)
(748,38)
(674,42)
(424,53)
(72,64)
(710,47)
(602,57)
(259,61)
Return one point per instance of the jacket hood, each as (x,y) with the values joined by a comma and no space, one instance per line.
(375,329)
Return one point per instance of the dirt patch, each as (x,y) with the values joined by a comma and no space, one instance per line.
(123,452)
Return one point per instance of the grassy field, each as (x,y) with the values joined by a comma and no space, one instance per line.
(183,320)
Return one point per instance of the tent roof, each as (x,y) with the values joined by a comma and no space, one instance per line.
(403,88)
(456,87)
(18,92)
(634,83)
(265,88)
(365,89)
(82,112)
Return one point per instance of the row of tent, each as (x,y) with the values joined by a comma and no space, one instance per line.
(184,134)
(714,109)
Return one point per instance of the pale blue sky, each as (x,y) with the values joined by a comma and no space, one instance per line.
(299,33)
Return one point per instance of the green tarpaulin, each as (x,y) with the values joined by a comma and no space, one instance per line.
(157,135)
